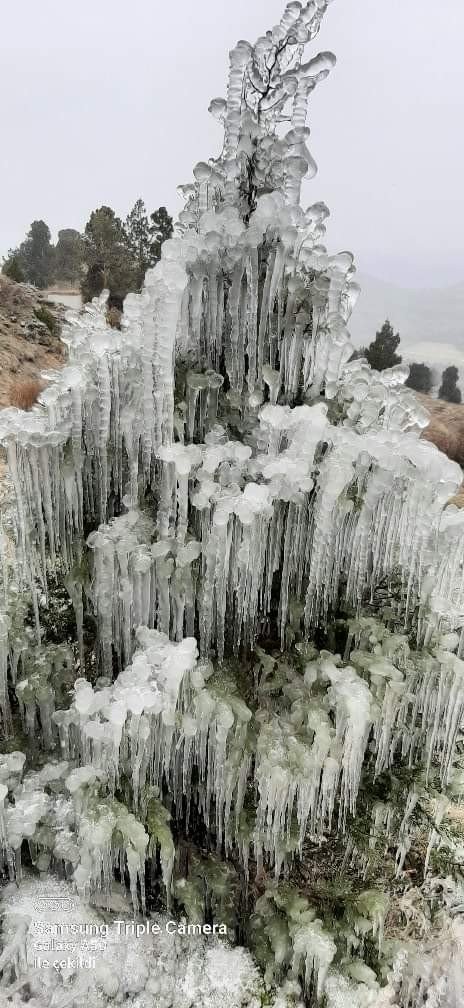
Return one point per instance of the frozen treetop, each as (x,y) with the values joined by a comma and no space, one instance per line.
(264,117)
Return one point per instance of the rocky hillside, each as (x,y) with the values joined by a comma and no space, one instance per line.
(29,340)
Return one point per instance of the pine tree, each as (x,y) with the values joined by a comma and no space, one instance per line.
(449,390)
(139,240)
(37,255)
(69,253)
(381,352)
(107,257)
(420,378)
(161,229)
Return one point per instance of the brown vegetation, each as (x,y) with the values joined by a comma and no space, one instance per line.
(446,431)
(458,499)
(113,317)
(24,394)
(446,427)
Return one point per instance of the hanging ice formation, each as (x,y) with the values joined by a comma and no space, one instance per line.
(217,473)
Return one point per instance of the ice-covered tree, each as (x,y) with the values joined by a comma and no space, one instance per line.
(231,665)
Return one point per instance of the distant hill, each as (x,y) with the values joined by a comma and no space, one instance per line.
(434,315)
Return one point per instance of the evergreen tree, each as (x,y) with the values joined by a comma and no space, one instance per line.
(161,228)
(93,282)
(449,390)
(36,255)
(69,256)
(107,257)
(139,240)
(420,378)
(381,352)
(13,268)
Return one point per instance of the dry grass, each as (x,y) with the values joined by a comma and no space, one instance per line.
(113,317)
(23,394)
(446,427)
(458,499)
(446,431)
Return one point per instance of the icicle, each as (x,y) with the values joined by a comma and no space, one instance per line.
(5,711)
(313,946)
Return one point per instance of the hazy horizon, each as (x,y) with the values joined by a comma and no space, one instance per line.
(106,106)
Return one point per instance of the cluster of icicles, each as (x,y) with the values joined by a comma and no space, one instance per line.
(65,819)
(315,509)
(167,714)
(228,404)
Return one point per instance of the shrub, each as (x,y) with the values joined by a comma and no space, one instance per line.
(449,390)
(420,378)
(23,394)
(45,316)
(13,269)
(113,317)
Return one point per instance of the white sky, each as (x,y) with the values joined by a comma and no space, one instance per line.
(103,101)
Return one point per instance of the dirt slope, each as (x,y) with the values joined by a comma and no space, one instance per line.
(446,431)
(28,344)
(446,427)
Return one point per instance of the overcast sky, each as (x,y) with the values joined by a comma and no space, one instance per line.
(103,101)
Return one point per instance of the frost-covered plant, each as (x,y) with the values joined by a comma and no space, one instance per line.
(261,695)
